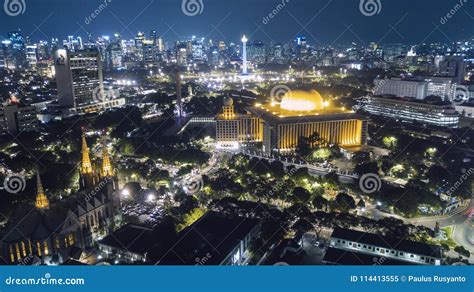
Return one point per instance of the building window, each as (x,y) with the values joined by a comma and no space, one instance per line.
(18,255)
(46,250)
(38,248)
(70,239)
(23,248)
(57,243)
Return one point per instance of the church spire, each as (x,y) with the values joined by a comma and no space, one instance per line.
(42,201)
(86,167)
(106,169)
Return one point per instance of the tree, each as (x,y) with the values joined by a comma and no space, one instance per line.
(344,202)
(301,195)
(319,202)
(361,204)
(190,218)
(462,251)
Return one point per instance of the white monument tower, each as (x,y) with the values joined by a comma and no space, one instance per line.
(244,55)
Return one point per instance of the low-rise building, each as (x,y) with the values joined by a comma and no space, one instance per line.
(354,247)
(435,113)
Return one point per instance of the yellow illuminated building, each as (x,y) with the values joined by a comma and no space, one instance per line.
(86,166)
(280,125)
(106,169)
(235,129)
(42,201)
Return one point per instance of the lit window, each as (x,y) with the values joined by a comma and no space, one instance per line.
(46,250)
(12,255)
(38,248)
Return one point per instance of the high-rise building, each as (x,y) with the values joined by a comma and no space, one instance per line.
(31,55)
(15,50)
(401,87)
(78,77)
(453,67)
(16,117)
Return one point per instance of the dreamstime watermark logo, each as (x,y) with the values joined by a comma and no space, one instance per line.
(192,7)
(275,11)
(281,264)
(278,92)
(370,183)
(96,190)
(100,94)
(14,183)
(14,7)
(379,261)
(464,177)
(96,12)
(370,7)
(192,184)
(445,18)
(202,261)
(461,95)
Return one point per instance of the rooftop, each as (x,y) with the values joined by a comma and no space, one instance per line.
(337,256)
(408,246)
(212,237)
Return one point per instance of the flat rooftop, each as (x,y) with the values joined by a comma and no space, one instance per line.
(277,115)
(209,240)
(388,242)
(335,256)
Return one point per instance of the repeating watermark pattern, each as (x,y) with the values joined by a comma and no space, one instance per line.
(445,18)
(96,190)
(96,12)
(378,261)
(275,11)
(202,261)
(370,183)
(14,7)
(192,184)
(192,7)
(370,7)
(461,95)
(100,94)
(278,92)
(464,177)
(14,183)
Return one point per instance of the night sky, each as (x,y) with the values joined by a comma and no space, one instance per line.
(328,21)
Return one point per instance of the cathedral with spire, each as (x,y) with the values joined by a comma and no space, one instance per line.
(56,232)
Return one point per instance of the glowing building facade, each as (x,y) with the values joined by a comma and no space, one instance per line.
(280,125)
(54,232)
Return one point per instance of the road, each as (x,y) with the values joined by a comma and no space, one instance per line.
(458,219)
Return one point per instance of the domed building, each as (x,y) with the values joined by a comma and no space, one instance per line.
(279,125)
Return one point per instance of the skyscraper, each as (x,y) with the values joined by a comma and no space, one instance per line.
(78,77)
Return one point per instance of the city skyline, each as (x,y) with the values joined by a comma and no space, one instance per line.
(322,22)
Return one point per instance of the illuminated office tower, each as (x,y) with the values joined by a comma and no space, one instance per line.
(78,77)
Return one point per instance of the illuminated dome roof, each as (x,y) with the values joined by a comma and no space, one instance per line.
(228,101)
(299,100)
